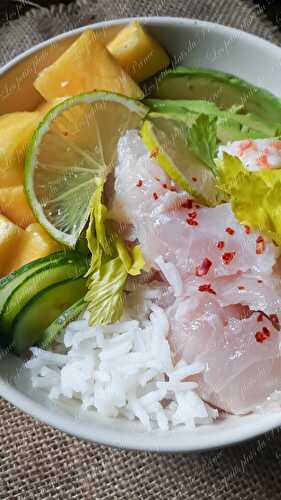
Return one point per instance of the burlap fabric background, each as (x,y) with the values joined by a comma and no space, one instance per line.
(38,462)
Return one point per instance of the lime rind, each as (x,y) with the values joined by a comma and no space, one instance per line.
(166,162)
(75,221)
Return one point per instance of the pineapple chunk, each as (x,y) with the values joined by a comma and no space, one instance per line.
(10,240)
(14,205)
(44,107)
(19,246)
(84,67)
(137,52)
(36,243)
(16,130)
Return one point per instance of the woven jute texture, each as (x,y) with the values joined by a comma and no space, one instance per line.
(38,462)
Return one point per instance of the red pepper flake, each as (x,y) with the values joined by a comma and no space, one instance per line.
(194,179)
(241,287)
(204,267)
(197,206)
(154,152)
(263,335)
(206,288)
(263,160)
(187,204)
(157,179)
(259,281)
(65,133)
(274,318)
(230,231)
(139,183)
(244,146)
(247,229)
(275,321)
(165,185)
(266,331)
(192,215)
(155,196)
(260,337)
(192,222)
(259,245)
(220,245)
(260,317)
(228,257)
(173,188)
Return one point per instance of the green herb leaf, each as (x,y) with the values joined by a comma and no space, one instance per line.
(202,139)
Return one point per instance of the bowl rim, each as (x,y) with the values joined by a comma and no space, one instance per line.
(142,441)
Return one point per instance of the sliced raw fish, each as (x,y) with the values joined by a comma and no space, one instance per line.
(170,224)
(240,350)
(256,154)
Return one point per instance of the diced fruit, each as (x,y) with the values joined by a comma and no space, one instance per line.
(50,334)
(14,205)
(84,67)
(46,106)
(37,243)
(10,239)
(137,52)
(18,246)
(73,147)
(68,266)
(43,309)
(16,130)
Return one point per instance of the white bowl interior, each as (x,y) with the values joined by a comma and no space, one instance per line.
(193,43)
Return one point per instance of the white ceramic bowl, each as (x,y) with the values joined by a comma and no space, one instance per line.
(194,43)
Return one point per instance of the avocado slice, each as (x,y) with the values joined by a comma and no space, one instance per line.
(43,309)
(224,89)
(238,126)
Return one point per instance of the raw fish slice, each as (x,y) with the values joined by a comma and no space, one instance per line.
(170,224)
(259,292)
(239,349)
(256,154)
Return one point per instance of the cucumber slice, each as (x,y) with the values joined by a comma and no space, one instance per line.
(72,265)
(72,313)
(9,283)
(43,309)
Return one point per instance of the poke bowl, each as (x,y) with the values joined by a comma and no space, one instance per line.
(139,234)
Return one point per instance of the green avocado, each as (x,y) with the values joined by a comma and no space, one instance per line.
(232,124)
(223,89)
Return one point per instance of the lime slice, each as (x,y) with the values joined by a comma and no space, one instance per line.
(164,134)
(73,146)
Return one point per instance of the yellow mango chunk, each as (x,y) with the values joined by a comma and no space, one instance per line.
(45,106)
(16,130)
(84,67)
(13,204)
(36,243)
(137,52)
(10,240)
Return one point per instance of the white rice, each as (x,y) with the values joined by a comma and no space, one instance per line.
(123,370)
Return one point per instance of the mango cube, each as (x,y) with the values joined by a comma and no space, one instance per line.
(10,240)
(137,52)
(84,67)
(35,244)
(14,205)
(16,130)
